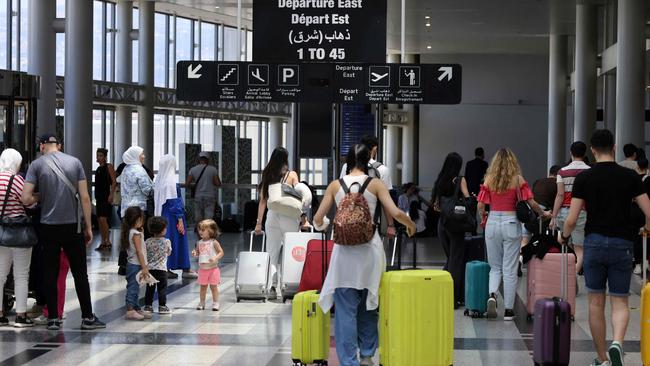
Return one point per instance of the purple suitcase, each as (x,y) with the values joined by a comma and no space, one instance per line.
(552,327)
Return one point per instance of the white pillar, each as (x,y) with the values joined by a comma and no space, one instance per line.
(557,99)
(630,78)
(275,133)
(123,74)
(79,82)
(585,73)
(42,50)
(145,74)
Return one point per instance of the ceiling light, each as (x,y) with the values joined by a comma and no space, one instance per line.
(216,7)
(427,17)
(428,47)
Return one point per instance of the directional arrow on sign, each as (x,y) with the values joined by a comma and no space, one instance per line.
(192,73)
(447,72)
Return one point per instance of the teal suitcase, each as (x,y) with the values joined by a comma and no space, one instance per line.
(477,275)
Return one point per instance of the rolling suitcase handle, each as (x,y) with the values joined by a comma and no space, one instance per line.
(644,266)
(250,246)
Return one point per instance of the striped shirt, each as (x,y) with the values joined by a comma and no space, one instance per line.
(567,175)
(15,207)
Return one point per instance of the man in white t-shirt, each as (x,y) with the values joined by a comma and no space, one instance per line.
(565,178)
(376,170)
(629,150)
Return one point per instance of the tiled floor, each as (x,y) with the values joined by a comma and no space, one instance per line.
(251,333)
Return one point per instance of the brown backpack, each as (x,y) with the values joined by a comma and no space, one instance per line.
(353,223)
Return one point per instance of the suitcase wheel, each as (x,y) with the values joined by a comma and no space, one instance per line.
(529,317)
(263,300)
(284,299)
(238,299)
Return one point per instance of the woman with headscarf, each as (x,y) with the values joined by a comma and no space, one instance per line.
(135,188)
(10,161)
(169,204)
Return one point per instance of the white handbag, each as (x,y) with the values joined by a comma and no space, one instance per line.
(284,199)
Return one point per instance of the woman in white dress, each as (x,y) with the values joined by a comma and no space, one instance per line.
(352,282)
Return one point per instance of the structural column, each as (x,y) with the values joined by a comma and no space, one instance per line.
(408,137)
(42,50)
(123,74)
(145,72)
(630,78)
(79,82)
(392,133)
(585,74)
(275,133)
(557,97)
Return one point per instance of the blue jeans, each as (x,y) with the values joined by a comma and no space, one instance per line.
(503,241)
(355,327)
(608,261)
(132,287)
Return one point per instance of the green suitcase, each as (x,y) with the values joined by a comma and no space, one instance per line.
(310,330)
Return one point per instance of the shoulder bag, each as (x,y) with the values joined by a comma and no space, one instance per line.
(457,211)
(284,199)
(525,213)
(16,232)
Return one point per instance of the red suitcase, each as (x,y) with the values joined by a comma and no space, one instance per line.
(552,327)
(312,271)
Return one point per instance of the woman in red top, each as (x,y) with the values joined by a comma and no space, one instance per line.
(503,180)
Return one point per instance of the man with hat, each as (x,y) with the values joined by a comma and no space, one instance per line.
(203,180)
(65,223)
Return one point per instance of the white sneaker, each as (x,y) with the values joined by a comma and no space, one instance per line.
(40,320)
(366,361)
(638,270)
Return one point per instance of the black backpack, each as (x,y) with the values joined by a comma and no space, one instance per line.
(458,212)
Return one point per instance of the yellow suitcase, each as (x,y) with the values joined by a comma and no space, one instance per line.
(416,318)
(645,309)
(310,330)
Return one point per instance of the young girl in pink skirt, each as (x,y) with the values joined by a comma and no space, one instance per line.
(209,251)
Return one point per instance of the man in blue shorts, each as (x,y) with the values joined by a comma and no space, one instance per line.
(605,191)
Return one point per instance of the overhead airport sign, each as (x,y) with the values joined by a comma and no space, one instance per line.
(319,30)
(353,83)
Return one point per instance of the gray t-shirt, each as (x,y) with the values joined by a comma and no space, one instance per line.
(58,203)
(204,187)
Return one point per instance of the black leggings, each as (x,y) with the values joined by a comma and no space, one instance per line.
(55,238)
(161,276)
(454,246)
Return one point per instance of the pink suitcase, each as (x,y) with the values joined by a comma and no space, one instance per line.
(544,281)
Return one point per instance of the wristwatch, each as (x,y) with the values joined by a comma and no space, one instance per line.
(565,237)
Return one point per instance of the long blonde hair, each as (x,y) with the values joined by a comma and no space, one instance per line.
(503,169)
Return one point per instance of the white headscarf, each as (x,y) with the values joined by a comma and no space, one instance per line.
(10,161)
(165,184)
(132,155)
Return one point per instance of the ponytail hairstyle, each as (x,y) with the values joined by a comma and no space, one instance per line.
(358,157)
(274,170)
(131,217)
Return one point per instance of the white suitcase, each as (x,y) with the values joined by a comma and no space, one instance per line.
(293,259)
(252,273)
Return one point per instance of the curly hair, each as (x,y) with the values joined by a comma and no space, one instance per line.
(503,169)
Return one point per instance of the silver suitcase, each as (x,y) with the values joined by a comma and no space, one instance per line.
(252,273)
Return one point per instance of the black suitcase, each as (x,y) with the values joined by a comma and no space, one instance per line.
(250,214)
(475,248)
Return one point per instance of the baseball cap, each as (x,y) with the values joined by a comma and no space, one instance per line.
(49,138)
(204,154)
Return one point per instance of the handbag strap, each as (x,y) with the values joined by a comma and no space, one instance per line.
(518,189)
(200,175)
(4,204)
(51,162)
(457,186)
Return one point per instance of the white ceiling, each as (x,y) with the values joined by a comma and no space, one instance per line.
(456,26)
